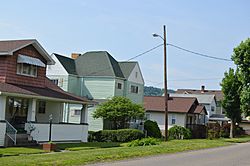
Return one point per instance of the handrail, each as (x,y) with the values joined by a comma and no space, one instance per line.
(11,132)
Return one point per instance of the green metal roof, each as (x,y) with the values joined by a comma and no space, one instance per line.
(68,63)
(127,68)
(98,63)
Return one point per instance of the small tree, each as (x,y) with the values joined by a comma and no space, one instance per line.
(119,110)
(231,87)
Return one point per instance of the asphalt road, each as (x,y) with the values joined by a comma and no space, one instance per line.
(235,155)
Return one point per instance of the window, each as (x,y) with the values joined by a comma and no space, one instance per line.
(173,120)
(55,81)
(147,116)
(119,86)
(134,89)
(212,108)
(26,69)
(77,112)
(41,107)
(136,74)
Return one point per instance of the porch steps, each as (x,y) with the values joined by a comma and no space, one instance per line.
(22,140)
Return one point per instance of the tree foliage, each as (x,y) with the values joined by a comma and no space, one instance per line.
(241,58)
(119,110)
(154,91)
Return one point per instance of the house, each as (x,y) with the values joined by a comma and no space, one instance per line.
(182,111)
(96,75)
(28,98)
(209,101)
(220,112)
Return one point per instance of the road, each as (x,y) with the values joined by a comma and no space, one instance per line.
(235,155)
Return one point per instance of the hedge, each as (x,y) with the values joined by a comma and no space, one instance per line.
(121,135)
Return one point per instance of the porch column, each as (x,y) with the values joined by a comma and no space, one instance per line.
(83,121)
(84,114)
(31,117)
(2,107)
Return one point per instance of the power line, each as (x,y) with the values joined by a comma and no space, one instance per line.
(200,54)
(145,52)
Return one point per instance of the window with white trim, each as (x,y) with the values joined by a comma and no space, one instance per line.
(41,107)
(119,85)
(173,119)
(27,69)
(134,89)
(147,116)
(55,81)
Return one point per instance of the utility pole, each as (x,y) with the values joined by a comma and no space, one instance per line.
(164,38)
(165,82)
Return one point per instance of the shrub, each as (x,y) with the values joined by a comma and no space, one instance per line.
(179,132)
(122,135)
(213,130)
(225,131)
(90,136)
(144,142)
(239,131)
(152,129)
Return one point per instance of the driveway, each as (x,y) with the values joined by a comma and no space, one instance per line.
(235,155)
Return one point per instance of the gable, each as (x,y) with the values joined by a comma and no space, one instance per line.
(136,75)
(57,68)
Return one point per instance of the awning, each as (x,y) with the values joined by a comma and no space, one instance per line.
(30,60)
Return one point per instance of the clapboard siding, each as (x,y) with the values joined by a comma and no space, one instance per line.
(2,133)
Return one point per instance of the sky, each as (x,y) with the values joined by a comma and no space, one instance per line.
(124,29)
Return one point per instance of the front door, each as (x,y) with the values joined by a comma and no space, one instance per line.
(16,114)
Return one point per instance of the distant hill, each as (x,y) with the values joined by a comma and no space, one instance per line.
(154,91)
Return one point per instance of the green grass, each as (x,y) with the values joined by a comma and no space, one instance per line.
(83,153)
(242,139)
(13,151)
(85,156)
(88,145)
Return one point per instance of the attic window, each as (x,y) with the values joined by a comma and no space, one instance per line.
(136,74)
(27,69)
(119,86)
(134,89)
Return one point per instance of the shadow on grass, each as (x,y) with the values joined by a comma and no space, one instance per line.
(87,145)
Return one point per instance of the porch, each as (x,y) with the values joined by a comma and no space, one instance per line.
(30,116)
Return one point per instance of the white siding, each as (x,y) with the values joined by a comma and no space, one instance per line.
(160,119)
(57,68)
(54,108)
(136,75)
(60,132)
(2,133)
(94,124)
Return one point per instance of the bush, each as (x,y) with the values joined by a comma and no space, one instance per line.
(152,129)
(90,136)
(144,142)
(239,131)
(225,131)
(179,132)
(122,135)
(213,130)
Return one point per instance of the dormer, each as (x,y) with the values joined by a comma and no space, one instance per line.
(23,62)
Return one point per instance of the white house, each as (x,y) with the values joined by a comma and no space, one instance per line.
(182,111)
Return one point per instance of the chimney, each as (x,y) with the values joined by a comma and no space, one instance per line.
(202,89)
(75,55)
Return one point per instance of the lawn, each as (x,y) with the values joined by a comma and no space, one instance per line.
(80,154)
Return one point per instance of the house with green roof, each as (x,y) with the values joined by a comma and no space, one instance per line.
(96,75)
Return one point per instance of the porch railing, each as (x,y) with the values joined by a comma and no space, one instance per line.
(11,132)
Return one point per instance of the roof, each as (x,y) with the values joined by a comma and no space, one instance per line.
(175,104)
(199,109)
(127,68)
(8,47)
(50,91)
(202,98)
(218,93)
(68,63)
(98,63)
(218,117)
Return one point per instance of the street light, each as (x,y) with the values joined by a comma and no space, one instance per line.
(165,78)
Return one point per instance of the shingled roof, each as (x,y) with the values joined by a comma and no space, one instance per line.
(175,104)
(98,63)
(8,47)
(51,91)
(68,63)
(127,68)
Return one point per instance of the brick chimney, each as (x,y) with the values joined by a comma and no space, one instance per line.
(202,88)
(75,55)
